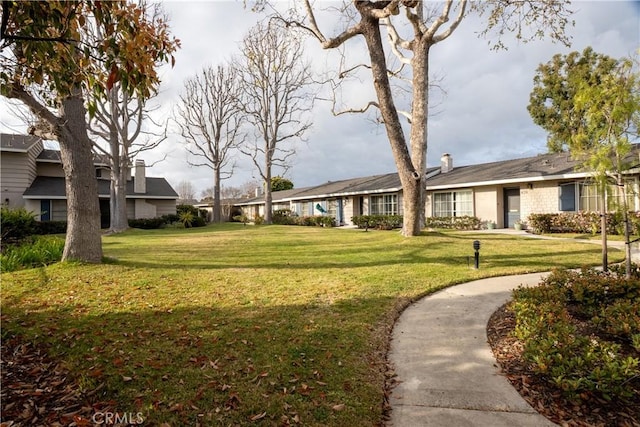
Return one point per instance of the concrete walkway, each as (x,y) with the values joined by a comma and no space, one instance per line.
(446,371)
(447,374)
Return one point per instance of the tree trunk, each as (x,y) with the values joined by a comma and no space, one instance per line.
(409,177)
(83,242)
(603,233)
(268,217)
(118,185)
(119,222)
(217,207)
(622,195)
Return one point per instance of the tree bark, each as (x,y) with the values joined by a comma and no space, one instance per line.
(217,207)
(83,242)
(268,198)
(410,178)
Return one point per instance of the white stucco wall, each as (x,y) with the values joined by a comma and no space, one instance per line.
(488,204)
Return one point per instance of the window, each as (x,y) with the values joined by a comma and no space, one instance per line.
(591,196)
(453,203)
(567,201)
(384,205)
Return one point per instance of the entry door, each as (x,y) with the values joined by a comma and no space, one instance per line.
(512,206)
(45,210)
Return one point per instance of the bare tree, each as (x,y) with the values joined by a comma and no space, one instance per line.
(118,121)
(413,28)
(185,190)
(210,120)
(275,83)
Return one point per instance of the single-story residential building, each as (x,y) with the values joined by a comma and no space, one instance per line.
(500,192)
(32,177)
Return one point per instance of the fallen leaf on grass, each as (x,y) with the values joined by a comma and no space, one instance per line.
(338,407)
(258,416)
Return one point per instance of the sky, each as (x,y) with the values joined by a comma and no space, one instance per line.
(480,112)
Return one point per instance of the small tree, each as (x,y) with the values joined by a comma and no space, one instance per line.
(590,106)
(279,183)
(185,190)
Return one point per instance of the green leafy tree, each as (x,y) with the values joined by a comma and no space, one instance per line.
(590,106)
(279,183)
(51,63)
(552,101)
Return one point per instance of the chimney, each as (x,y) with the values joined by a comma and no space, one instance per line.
(140,183)
(258,192)
(446,163)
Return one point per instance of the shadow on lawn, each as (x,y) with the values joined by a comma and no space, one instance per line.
(217,365)
(344,260)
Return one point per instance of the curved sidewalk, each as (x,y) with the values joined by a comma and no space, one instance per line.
(445,368)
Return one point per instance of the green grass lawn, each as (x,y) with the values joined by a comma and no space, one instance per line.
(228,324)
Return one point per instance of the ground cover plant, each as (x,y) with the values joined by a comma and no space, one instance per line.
(571,346)
(233,324)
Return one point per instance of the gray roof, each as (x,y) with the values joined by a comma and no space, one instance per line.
(529,169)
(53,187)
(385,183)
(19,143)
(48,155)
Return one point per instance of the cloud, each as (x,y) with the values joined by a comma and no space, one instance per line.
(481,118)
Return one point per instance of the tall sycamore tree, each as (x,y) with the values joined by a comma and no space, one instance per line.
(275,82)
(210,120)
(412,29)
(51,64)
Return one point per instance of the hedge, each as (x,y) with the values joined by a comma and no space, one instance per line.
(454,222)
(378,222)
(287,217)
(581,222)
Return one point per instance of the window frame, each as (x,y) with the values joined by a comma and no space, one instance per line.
(456,203)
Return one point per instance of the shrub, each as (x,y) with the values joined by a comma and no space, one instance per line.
(589,360)
(34,252)
(16,224)
(146,223)
(191,216)
(284,217)
(378,222)
(582,222)
(170,218)
(454,222)
(51,227)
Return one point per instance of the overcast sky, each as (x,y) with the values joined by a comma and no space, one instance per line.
(481,116)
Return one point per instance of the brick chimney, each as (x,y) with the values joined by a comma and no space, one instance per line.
(140,182)
(446,163)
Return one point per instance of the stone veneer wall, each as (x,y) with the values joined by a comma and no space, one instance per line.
(542,198)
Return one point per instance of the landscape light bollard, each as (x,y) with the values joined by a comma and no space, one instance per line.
(476,247)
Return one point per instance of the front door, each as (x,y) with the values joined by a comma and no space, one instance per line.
(105,213)
(45,210)
(512,206)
